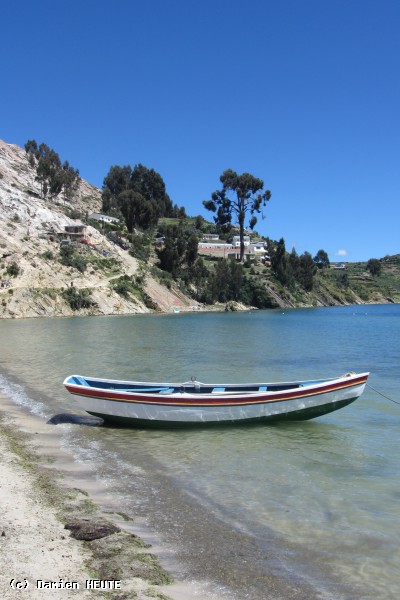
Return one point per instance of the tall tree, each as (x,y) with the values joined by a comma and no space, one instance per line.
(137,210)
(240,194)
(151,185)
(139,193)
(280,264)
(116,182)
(322,260)
(169,258)
(374,266)
(191,249)
(51,174)
(307,271)
(31,148)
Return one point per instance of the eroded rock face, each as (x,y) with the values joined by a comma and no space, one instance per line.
(30,248)
(29,244)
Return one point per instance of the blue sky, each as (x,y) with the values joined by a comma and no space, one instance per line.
(304,94)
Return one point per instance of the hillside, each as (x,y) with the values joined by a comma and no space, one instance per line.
(39,278)
(33,281)
(334,287)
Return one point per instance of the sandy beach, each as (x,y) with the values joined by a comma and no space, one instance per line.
(60,530)
(41,517)
(34,545)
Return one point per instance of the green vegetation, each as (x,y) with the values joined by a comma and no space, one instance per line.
(290,269)
(52,175)
(78,299)
(131,288)
(70,258)
(124,286)
(357,283)
(289,280)
(321,259)
(374,266)
(13,269)
(179,252)
(141,246)
(138,195)
(239,195)
(207,281)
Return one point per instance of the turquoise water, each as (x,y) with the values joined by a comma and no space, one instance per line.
(319,500)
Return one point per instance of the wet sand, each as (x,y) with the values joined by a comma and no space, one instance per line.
(36,502)
(42,488)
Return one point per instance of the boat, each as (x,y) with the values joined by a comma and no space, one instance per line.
(143,403)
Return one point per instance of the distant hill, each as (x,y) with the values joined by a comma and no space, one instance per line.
(352,285)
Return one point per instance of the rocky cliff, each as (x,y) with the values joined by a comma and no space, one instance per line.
(33,281)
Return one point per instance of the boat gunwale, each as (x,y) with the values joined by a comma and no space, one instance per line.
(219,398)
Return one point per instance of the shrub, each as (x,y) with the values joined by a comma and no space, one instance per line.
(13,269)
(140,247)
(79,263)
(122,289)
(70,259)
(374,266)
(254,293)
(78,299)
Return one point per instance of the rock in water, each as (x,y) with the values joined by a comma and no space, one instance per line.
(87,531)
(75,419)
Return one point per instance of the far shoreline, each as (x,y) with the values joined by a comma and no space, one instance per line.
(204,310)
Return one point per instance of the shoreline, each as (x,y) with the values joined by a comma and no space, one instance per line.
(40,508)
(145,559)
(229,306)
(34,546)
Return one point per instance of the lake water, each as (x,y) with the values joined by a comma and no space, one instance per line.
(314,504)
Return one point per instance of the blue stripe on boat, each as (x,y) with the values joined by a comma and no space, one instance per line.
(161,390)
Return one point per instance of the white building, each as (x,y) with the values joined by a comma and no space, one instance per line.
(210,237)
(236,240)
(223,250)
(103,218)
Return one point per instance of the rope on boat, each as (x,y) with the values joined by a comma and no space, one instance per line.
(383,395)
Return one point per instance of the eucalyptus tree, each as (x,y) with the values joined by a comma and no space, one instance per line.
(50,173)
(322,260)
(240,196)
(138,193)
(137,210)
(374,266)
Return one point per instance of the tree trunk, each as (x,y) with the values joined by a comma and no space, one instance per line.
(241,233)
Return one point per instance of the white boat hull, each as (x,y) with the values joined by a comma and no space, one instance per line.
(183,408)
